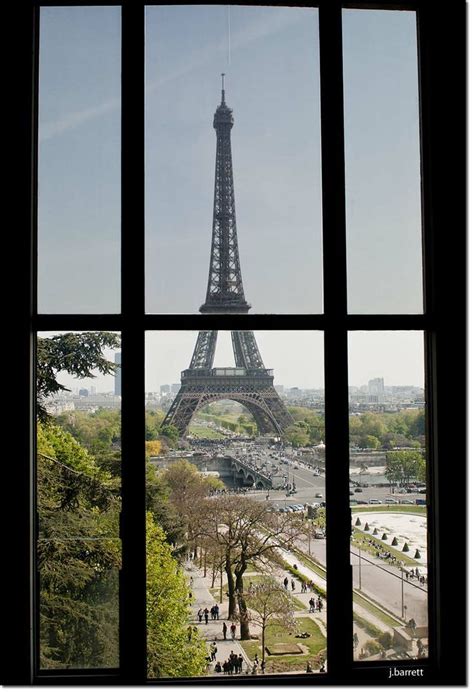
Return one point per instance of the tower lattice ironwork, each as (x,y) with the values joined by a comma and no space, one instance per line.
(249,383)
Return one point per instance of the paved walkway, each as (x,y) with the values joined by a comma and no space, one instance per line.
(212,632)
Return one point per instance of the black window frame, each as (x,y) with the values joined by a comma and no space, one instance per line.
(443,164)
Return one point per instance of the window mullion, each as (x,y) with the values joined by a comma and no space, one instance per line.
(339,575)
(133,573)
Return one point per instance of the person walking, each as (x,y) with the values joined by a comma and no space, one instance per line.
(224,631)
(206,615)
(199,614)
(216,612)
(240,661)
(233,629)
(213,650)
(262,667)
(292,584)
(190,633)
(285,582)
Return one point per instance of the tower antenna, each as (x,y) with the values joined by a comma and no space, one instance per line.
(223,87)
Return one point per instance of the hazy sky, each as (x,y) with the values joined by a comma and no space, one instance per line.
(297,358)
(271,59)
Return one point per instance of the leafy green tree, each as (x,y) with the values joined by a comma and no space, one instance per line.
(298,434)
(78,555)
(171,432)
(405,466)
(170,651)
(77,354)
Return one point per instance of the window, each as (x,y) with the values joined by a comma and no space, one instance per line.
(442,136)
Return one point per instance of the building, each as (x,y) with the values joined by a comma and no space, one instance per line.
(376,390)
(118,374)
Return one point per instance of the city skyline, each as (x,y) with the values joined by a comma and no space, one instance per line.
(397,357)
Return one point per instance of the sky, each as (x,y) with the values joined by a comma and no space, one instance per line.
(270,56)
(297,358)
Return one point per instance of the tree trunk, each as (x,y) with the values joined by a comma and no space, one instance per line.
(263,643)
(231,588)
(243,613)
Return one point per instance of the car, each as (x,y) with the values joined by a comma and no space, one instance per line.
(408,502)
(420,502)
(318,495)
(358,490)
(361,502)
(421,490)
(391,501)
(352,502)
(373,501)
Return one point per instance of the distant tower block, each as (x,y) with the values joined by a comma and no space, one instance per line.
(118,374)
(249,383)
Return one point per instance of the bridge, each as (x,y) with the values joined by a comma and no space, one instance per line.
(236,472)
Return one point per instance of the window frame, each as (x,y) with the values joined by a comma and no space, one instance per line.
(443,207)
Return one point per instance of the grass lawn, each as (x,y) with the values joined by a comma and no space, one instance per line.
(275,634)
(205,433)
(379,614)
(361,539)
(408,509)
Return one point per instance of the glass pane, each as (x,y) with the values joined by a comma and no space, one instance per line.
(382,162)
(268,188)
(235,450)
(78,500)
(388,495)
(79,160)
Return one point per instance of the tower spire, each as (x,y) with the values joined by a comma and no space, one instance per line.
(225,292)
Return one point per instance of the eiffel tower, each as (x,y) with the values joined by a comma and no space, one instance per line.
(249,383)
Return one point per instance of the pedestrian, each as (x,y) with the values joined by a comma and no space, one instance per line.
(213,651)
(206,615)
(190,594)
(311,605)
(225,667)
(308,668)
(199,614)
(216,611)
(213,613)
(285,582)
(262,667)
(320,604)
(240,663)
(322,669)
(224,631)
(218,667)
(191,581)
(292,584)
(233,628)
(190,633)
(254,669)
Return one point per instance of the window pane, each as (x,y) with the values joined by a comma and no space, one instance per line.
(235,450)
(382,162)
(79,160)
(388,495)
(270,59)
(78,502)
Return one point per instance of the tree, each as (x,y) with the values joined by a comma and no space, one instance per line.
(404,466)
(170,652)
(77,354)
(245,531)
(171,432)
(78,601)
(152,448)
(298,434)
(270,604)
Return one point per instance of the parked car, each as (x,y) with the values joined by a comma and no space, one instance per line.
(391,501)
(373,501)
(358,490)
(318,495)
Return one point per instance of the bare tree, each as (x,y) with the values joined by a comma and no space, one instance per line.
(270,604)
(245,530)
